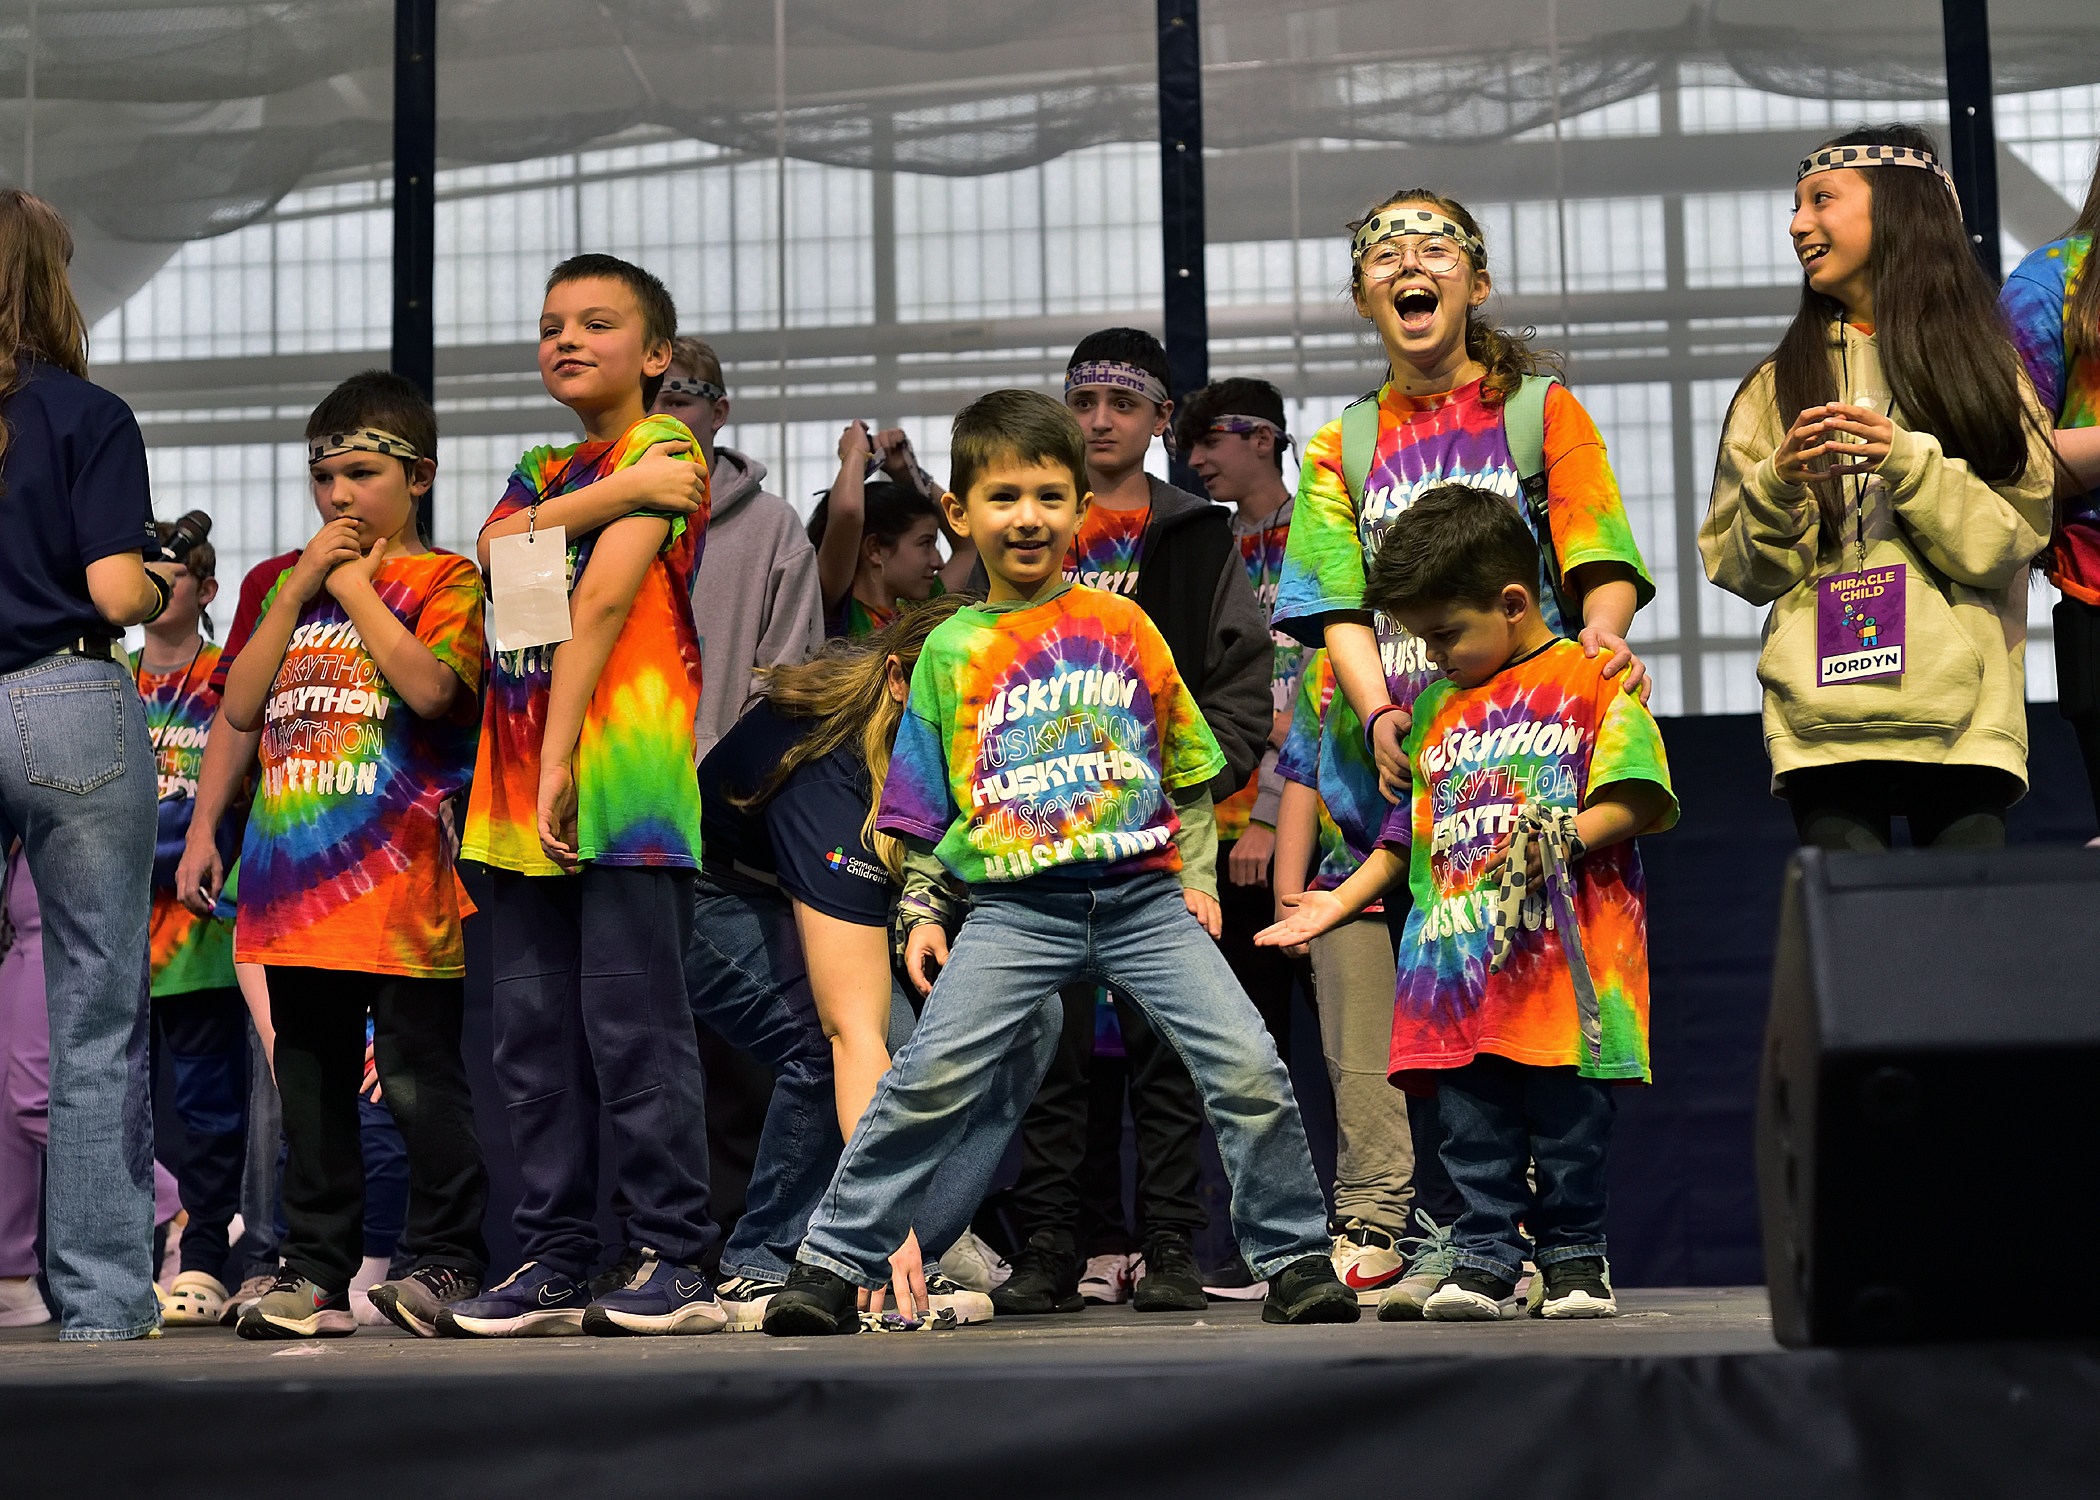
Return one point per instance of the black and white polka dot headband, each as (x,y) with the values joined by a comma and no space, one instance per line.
(1390,223)
(1875,156)
(364,440)
(704,390)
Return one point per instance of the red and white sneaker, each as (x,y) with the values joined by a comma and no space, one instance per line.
(1106,1279)
(1367,1260)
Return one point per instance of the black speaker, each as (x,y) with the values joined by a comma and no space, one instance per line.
(1928,1131)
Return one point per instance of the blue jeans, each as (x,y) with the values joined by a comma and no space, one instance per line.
(1498,1118)
(747,979)
(77,785)
(993,1021)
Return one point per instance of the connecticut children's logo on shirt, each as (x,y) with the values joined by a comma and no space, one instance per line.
(841,863)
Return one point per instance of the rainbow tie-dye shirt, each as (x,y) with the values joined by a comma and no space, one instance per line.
(1261,552)
(1307,757)
(2036,299)
(1422,442)
(637,791)
(1045,737)
(1551,730)
(345,865)
(187,952)
(1108,549)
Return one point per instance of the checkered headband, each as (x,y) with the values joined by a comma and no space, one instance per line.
(1874,156)
(1389,223)
(364,440)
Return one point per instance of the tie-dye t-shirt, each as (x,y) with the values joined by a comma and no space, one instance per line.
(1261,551)
(637,793)
(1107,549)
(2036,299)
(1045,737)
(1552,730)
(345,865)
(188,952)
(1305,755)
(1423,442)
(854,619)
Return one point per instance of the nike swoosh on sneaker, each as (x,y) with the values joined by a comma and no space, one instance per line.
(547,1301)
(688,1288)
(1356,1283)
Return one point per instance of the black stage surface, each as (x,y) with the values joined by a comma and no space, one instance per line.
(1685,1395)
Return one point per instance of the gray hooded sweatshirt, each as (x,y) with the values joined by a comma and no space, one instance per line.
(755,596)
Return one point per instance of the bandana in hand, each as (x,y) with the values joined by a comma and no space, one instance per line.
(1552,831)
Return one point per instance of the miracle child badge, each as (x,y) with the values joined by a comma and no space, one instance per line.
(1859,626)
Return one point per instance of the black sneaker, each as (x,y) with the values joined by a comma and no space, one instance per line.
(1471,1296)
(1045,1278)
(1308,1291)
(616,1275)
(1579,1288)
(1170,1281)
(813,1302)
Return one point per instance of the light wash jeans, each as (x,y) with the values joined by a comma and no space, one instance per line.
(77,785)
(746,978)
(986,1028)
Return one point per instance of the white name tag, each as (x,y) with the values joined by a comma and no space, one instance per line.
(529,589)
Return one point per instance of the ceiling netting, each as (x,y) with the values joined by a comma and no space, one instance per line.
(156,120)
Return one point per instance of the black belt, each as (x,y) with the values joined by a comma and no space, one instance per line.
(99,647)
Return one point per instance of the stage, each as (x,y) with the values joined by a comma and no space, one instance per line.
(1684,1395)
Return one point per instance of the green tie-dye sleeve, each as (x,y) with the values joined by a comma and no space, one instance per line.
(1323,561)
(1629,748)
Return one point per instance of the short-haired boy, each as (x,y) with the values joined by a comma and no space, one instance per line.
(1523,973)
(1051,760)
(586,807)
(362,677)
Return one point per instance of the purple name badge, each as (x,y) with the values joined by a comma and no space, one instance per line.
(1859,626)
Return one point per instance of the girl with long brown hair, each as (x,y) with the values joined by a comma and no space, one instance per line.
(1884,485)
(77,782)
(790,956)
(2052,299)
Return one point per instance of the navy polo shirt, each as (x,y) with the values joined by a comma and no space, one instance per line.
(75,492)
(806,837)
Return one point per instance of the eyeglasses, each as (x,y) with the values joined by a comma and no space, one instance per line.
(1436,254)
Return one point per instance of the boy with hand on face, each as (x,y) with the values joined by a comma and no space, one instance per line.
(1523,973)
(1051,759)
(362,677)
(586,807)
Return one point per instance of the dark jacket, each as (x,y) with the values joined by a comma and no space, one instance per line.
(1192,585)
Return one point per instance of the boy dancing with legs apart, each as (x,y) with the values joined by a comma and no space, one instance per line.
(587,809)
(1051,760)
(1523,983)
(361,677)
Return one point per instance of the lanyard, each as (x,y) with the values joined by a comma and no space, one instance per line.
(169,704)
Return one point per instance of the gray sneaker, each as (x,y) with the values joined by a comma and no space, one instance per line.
(1431,1259)
(414,1301)
(295,1308)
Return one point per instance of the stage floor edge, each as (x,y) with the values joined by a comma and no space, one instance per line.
(1684,1395)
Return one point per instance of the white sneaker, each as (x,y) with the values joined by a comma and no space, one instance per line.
(21,1304)
(953,1303)
(1579,1288)
(745,1299)
(196,1300)
(1106,1279)
(971,1263)
(1367,1260)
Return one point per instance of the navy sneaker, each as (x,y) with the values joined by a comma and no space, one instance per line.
(533,1300)
(658,1298)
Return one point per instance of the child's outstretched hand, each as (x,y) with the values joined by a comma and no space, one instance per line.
(925,944)
(557,813)
(669,480)
(907,1283)
(1499,857)
(1311,914)
(1204,908)
(333,545)
(1387,736)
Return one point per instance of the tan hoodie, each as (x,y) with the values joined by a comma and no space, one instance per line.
(1968,546)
